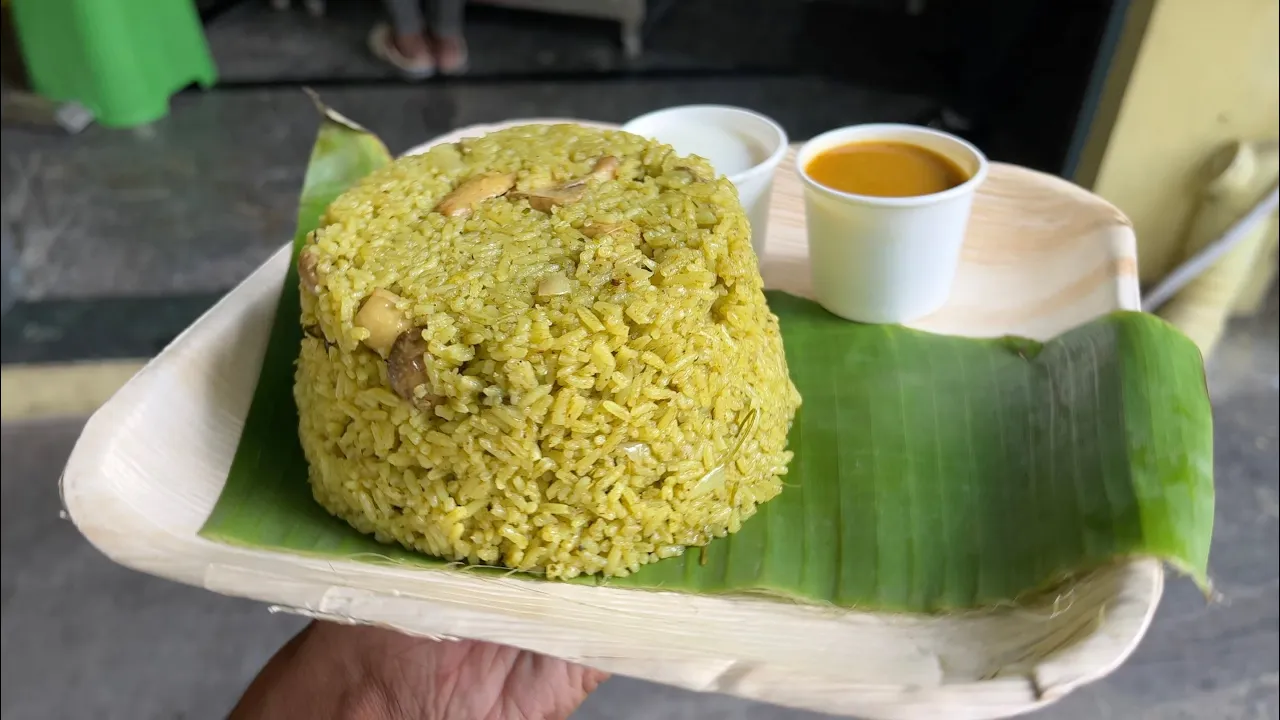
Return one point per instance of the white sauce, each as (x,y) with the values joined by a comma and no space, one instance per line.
(728,152)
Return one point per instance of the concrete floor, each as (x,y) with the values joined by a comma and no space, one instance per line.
(194,202)
(83,638)
(116,240)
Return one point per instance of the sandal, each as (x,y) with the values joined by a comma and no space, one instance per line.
(384,48)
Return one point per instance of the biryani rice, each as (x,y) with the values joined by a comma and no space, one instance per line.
(603,383)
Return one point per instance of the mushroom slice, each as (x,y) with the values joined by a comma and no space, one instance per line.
(595,230)
(314,331)
(606,168)
(381,316)
(308,273)
(544,199)
(474,191)
(407,369)
(547,198)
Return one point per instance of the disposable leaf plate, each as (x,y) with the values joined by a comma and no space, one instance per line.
(973,526)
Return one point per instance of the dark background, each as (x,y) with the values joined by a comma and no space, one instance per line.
(1022,65)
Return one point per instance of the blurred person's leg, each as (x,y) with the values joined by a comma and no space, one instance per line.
(403,43)
(446,33)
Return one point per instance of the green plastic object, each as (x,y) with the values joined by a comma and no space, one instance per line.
(121,59)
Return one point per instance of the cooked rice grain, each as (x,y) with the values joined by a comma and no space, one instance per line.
(602,383)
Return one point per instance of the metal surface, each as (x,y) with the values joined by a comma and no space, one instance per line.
(1197,264)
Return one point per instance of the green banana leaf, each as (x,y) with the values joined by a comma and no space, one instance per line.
(931,473)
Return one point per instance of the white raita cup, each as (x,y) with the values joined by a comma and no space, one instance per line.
(743,145)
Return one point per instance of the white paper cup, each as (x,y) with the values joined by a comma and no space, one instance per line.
(747,144)
(887,259)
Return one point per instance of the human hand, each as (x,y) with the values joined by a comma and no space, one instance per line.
(367,673)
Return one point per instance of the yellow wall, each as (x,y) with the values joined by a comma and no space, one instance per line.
(1205,71)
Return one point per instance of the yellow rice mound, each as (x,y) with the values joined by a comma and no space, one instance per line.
(603,383)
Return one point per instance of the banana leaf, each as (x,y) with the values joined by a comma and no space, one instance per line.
(931,473)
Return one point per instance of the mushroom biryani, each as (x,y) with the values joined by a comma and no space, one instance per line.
(546,348)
